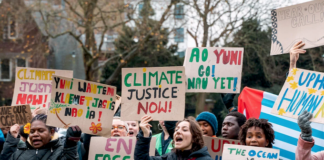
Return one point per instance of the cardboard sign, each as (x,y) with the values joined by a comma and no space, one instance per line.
(33,86)
(301,22)
(86,104)
(303,90)
(115,148)
(216,145)
(157,91)
(239,152)
(215,70)
(15,115)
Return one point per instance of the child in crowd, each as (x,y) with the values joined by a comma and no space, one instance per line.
(257,133)
(208,123)
(188,142)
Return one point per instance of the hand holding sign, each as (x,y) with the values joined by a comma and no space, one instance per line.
(294,53)
(145,126)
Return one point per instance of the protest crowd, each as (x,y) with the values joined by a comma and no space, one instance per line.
(49,135)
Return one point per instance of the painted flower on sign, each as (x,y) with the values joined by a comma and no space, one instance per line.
(95,128)
(56,109)
(27,128)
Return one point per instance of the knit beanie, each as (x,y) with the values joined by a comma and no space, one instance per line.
(210,118)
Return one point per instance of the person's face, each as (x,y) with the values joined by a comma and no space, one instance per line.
(5,131)
(206,128)
(162,125)
(118,129)
(182,136)
(133,128)
(230,128)
(39,134)
(255,137)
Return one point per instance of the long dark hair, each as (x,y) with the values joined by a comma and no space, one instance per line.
(261,123)
(197,136)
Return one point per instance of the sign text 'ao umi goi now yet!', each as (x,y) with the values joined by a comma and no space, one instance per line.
(33,86)
(214,70)
(87,104)
(155,91)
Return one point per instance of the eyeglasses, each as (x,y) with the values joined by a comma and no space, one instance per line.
(118,127)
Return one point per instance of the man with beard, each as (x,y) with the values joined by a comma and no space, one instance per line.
(119,128)
(208,123)
(232,125)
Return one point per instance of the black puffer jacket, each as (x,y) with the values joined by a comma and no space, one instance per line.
(143,146)
(54,150)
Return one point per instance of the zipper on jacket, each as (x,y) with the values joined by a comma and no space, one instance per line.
(36,151)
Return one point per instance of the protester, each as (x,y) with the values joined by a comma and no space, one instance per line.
(188,142)
(40,144)
(5,131)
(257,132)
(306,141)
(232,124)
(208,123)
(164,139)
(2,140)
(133,128)
(119,128)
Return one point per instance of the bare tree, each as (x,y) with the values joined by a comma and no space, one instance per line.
(216,20)
(91,17)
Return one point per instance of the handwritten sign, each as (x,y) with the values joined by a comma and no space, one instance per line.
(33,86)
(214,69)
(15,115)
(115,148)
(216,145)
(231,152)
(156,91)
(303,90)
(301,22)
(86,104)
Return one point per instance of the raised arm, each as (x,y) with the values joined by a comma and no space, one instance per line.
(294,54)
(73,135)
(11,143)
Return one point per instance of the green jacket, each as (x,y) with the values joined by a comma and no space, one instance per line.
(158,145)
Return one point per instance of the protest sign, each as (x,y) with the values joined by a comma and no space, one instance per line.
(115,148)
(215,70)
(86,104)
(15,115)
(239,152)
(155,91)
(303,90)
(215,146)
(301,22)
(33,86)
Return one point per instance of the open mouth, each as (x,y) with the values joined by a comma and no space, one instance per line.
(131,133)
(116,135)
(178,139)
(224,134)
(37,142)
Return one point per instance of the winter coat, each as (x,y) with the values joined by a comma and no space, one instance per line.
(54,150)
(143,146)
(304,149)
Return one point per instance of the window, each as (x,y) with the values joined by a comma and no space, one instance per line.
(181,54)
(5,69)
(140,7)
(21,62)
(10,29)
(179,35)
(129,11)
(178,11)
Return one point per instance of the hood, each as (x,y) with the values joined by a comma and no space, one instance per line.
(200,153)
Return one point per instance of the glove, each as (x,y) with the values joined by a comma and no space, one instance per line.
(304,125)
(73,135)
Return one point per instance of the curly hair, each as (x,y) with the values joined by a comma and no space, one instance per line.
(261,123)
(197,136)
(240,118)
